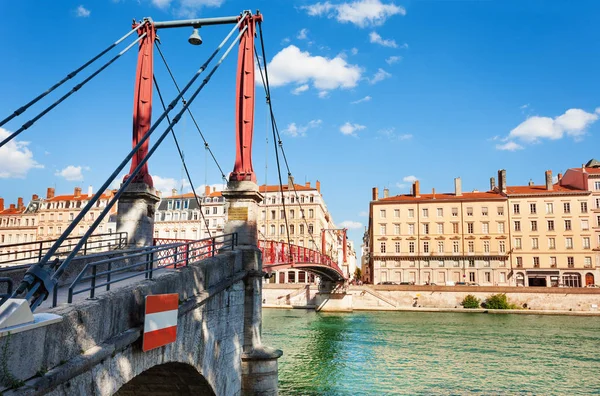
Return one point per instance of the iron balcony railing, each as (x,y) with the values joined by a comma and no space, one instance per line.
(166,253)
(32,252)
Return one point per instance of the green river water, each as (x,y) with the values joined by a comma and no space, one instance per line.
(415,353)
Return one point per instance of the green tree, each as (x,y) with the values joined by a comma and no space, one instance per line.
(470,301)
(498,301)
(357,274)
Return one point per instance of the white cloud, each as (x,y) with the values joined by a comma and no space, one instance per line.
(285,40)
(379,76)
(349,129)
(390,133)
(72,173)
(291,65)
(323,94)
(299,89)
(362,13)
(167,184)
(400,185)
(509,146)
(410,179)
(365,99)
(573,123)
(15,158)
(354,51)
(393,59)
(524,106)
(82,12)
(294,130)
(186,8)
(377,39)
(302,34)
(405,136)
(351,225)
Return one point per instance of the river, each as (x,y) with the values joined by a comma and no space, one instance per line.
(406,353)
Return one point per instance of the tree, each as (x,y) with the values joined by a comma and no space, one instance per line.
(357,274)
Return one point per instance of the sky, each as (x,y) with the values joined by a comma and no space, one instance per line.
(366,93)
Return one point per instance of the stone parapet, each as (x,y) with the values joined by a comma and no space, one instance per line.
(135,214)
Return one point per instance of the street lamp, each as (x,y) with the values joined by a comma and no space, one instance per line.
(195,38)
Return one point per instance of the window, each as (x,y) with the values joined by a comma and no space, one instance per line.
(535,243)
(411,247)
(485,228)
(397,247)
(272,229)
(425,247)
(411,229)
(519,262)
(382,229)
(425,212)
(470,211)
(551,243)
(175,216)
(587,262)
(454,212)
(455,228)
(169,205)
(301,229)
(310,228)
(411,213)
(425,228)
(440,228)
(550,225)
(516,209)
(533,225)
(470,228)
(567,207)
(382,247)
(585,225)
(518,244)
(583,207)
(311,213)
(382,213)
(500,210)
(571,262)
(455,247)
(501,227)
(396,229)
(292,229)
(484,211)
(552,262)
(273,215)
(597,185)
(440,212)
(440,246)
(311,198)
(586,242)
(486,246)
(396,212)
(536,262)
(517,225)
(215,210)
(532,208)
(569,243)
(471,263)
(471,276)
(549,208)
(567,225)
(502,247)
(471,247)
(292,214)
(71,216)
(177,204)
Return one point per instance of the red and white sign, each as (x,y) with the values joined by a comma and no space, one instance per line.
(160,322)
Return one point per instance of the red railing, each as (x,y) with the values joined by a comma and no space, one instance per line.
(281,253)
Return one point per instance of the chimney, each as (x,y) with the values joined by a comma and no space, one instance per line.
(159,193)
(530,182)
(90,189)
(77,192)
(12,206)
(416,189)
(549,185)
(1,204)
(457,187)
(173,192)
(559,177)
(290,182)
(502,180)
(375,193)
(318,186)
(214,189)
(433,192)
(35,197)
(492,183)
(50,193)
(307,184)
(20,203)
(386,192)
(206,191)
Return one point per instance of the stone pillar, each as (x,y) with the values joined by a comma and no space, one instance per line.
(259,362)
(135,214)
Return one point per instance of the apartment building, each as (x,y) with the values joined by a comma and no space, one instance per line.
(17,225)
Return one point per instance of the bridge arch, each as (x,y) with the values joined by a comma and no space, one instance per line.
(168,379)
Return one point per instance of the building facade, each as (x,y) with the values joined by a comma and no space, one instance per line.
(18,224)
(534,235)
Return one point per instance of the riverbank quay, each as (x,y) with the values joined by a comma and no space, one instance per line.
(533,301)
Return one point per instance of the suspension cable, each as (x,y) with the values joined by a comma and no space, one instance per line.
(50,283)
(72,91)
(206,146)
(265,80)
(182,159)
(23,108)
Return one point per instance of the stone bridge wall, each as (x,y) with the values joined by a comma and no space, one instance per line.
(96,348)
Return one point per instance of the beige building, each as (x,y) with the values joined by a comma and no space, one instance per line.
(18,225)
(534,235)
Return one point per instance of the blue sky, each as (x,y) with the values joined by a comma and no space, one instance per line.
(367,93)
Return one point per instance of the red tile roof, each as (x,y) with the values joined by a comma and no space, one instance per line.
(467,196)
(191,195)
(275,188)
(82,197)
(528,190)
(12,211)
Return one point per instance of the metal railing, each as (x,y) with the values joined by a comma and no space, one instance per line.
(166,253)
(32,252)
(281,253)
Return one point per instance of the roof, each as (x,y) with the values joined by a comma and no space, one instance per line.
(191,195)
(12,211)
(275,188)
(82,197)
(467,196)
(532,190)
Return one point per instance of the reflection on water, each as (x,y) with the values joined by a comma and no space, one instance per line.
(406,353)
